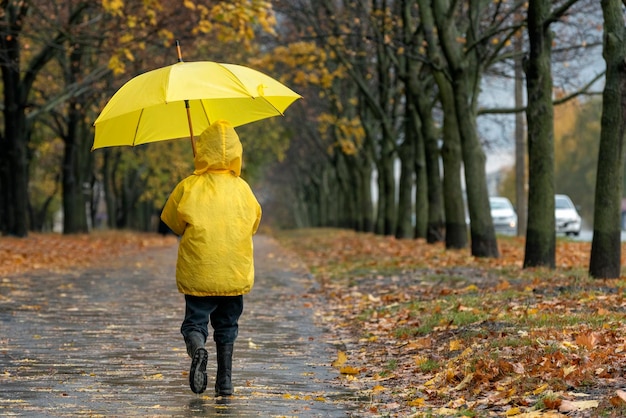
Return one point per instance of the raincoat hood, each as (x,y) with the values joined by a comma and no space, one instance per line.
(218,149)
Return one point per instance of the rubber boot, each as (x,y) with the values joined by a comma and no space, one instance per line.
(199,358)
(223,383)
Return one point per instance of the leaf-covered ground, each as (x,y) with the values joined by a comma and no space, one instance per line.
(58,252)
(422,331)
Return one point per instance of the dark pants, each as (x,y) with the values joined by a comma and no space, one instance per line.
(223,311)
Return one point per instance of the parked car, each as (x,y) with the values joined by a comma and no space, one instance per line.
(568,221)
(503,215)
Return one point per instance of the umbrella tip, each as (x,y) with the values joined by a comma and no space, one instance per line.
(180,55)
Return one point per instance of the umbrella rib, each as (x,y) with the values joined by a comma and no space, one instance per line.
(271,104)
(204,111)
(137,128)
(236,78)
(251,95)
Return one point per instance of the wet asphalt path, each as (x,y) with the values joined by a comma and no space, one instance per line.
(106,342)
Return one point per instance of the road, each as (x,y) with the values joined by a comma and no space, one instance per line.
(587,235)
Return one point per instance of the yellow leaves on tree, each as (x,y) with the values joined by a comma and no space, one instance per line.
(348,133)
(308,63)
(233,20)
(116,65)
(114,7)
(218,22)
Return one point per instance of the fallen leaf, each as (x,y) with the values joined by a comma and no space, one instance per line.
(513,411)
(419,343)
(619,399)
(457,403)
(251,344)
(418,402)
(552,403)
(468,378)
(373,298)
(568,370)
(456,345)
(446,412)
(588,340)
(342,358)
(349,370)
(503,285)
(419,360)
(570,406)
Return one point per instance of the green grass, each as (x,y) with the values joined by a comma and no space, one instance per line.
(430,365)
(391,365)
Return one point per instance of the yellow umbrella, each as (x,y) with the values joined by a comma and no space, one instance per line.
(152,106)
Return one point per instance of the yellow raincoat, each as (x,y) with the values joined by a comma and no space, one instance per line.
(215,213)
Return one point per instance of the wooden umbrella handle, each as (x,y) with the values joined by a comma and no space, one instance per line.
(193,143)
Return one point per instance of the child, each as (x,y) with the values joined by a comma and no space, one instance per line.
(216,214)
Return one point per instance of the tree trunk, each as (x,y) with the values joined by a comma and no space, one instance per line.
(421,211)
(465,70)
(366,205)
(605,260)
(421,193)
(406,153)
(74,202)
(366,172)
(15,172)
(436,223)
(14,157)
(321,194)
(482,232)
(521,204)
(456,227)
(385,180)
(343,192)
(456,224)
(74,209)
(108,186)
(540,236)
(357,191)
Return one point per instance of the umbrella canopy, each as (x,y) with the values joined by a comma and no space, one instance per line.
(152,106)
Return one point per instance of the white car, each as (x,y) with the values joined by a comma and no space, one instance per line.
(503,215)
(568,221)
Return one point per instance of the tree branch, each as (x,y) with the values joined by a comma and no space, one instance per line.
(580,92)
(559,12)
